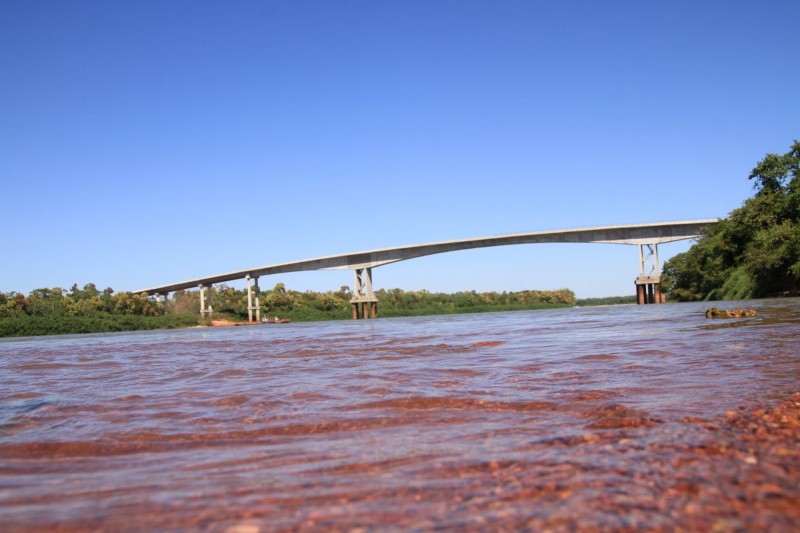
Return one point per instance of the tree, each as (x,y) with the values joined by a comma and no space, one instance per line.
(185,302)
(755,251)
(279,299)
(47,302)
(774,171)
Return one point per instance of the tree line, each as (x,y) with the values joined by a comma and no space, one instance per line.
(755,251)
(88,309)
(76,302)
(55,310)
(332,305)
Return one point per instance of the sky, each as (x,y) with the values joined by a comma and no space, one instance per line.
(147,142)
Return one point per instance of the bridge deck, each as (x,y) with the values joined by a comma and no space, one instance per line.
(655,233)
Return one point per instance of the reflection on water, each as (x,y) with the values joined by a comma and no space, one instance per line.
(397,423)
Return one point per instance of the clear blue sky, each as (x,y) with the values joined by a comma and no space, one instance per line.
(149,142)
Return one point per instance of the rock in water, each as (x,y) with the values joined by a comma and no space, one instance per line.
(716,312)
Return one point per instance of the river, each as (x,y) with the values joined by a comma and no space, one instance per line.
(577,419)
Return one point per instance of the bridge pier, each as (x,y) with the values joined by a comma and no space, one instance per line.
(164,298)
(647,285)
(363,300)
(250,306)
(648,292)
(205,303)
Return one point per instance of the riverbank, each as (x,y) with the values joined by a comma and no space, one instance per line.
(31,326)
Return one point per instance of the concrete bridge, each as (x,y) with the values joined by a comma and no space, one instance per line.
(364,303)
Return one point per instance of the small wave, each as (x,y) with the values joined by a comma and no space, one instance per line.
(230,373)
(529,368)
(13,415)
(487,344)
(616,416)
(41,366)
(650,353)
(157,442)
(131,398)
(228,401)
(597,357)
(441,403)
(590,395)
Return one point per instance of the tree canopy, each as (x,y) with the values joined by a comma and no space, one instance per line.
(755,252)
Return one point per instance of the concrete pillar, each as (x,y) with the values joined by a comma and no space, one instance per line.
(206,308)
(640,294)
(164,299)
(249,300)
(647,284)
(356,283)
(258,300)
(368,279)
(656,267)
(364,303)
(650,257)
(648,291)
(250,307)
(641,260)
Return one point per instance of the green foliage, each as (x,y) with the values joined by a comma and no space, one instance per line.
(184,302)
(397,302)
(82,310)
(60,325)
(738,286)
(86,302)
(608,300)
(755,252)
(774,171)
(315,306)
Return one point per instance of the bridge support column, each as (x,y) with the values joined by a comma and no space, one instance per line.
(363,297)
(250,306)
(648,292)
(205,303)
(647,284)
(164,298)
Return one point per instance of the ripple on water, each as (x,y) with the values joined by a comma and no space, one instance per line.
(600,357)
(441,403)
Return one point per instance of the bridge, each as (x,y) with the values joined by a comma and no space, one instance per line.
(365,304)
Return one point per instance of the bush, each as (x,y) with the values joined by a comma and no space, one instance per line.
(99,323)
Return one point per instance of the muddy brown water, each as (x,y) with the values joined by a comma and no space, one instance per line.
(583,419)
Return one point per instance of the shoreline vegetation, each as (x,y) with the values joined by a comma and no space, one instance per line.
(755,252)
(89,310)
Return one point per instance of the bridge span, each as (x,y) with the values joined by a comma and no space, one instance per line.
(364,303)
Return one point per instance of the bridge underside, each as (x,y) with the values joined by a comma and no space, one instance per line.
(364,302)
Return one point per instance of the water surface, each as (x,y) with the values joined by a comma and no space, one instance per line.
(392,423)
